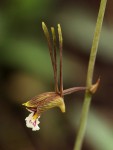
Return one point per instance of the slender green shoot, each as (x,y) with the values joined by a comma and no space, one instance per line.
(88,94)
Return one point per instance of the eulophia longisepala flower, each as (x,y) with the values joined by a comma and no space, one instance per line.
(45,101)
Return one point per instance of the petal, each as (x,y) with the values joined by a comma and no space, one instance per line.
(29,110)
(28,120)
(32,123)
(35,128)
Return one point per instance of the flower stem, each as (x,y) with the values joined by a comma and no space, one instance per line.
(88,94)
(73,90)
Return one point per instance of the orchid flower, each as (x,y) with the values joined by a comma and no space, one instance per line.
(45,101)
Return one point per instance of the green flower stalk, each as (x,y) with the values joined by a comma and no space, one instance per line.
(88,94)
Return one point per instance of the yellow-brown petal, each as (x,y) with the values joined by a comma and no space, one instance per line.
(46,101)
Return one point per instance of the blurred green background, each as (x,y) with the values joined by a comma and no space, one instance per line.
(26,71)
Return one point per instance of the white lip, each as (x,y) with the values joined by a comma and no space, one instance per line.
(32,123)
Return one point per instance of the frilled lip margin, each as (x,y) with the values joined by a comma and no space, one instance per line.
(32,121)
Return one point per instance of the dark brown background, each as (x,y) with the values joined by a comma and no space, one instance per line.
(25,71)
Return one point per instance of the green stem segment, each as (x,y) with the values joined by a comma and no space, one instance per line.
(88,95)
